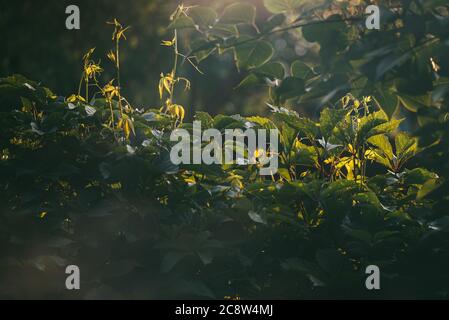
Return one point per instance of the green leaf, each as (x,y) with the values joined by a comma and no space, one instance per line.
(382,235)
(249,81)
(182,22)
(291,87)
(367,125)
(273,22)
(387,127)
(263,122)
(253,54)
(339,187)
(305,126)
(418,176)
(331,33)
(280,6)
(272,70)
(387,101)
(283,172)
(329,119)
(374,124)
(301,70)
(390,62)
(206,120)
(204,17)
(383,145)
(239,13)
(226,122)
(202,48)
(358,234)
(368,198)
(256,217)
(413,103)
(243,204)
(171,259)
(405,144)
(427,188)
(441,223)
(223,31)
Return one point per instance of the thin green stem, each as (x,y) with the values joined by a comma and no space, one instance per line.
(117,55)
(175,67)
(87,89)
(80,84)
(112,113)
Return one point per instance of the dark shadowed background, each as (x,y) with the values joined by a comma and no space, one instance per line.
(36,43)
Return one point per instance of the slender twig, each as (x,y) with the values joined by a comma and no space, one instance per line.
(117,55)
(175,67)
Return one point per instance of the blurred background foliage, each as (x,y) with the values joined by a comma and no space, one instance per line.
(37,45)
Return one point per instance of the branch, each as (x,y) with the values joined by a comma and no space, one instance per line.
(263,35)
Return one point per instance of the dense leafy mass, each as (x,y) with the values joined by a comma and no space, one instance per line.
(345,197)
(87,179)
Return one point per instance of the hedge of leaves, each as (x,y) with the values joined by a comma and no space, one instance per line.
(87,179)
(139,227)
